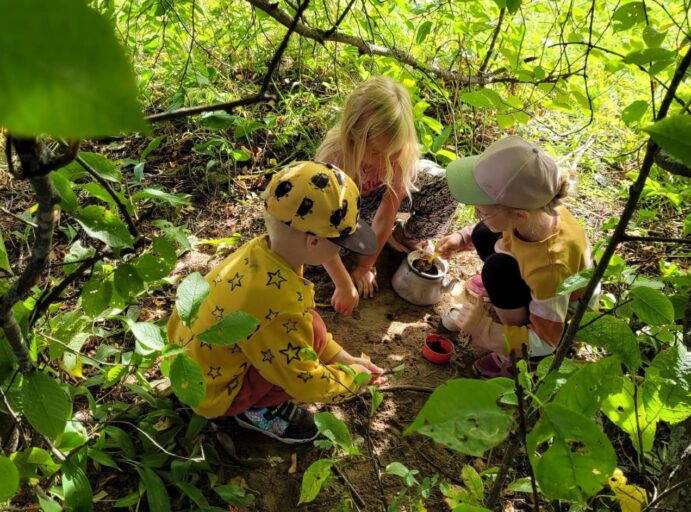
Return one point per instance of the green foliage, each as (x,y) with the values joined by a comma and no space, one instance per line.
(45,404)
(651,306)
(335,431)
(187,380)
(612,334)
(314,479)
(463,414)
(71,89)
(673,134)
(9,484)
(231,329)
(191,293)
(155,489)
(579,457)
(104,225)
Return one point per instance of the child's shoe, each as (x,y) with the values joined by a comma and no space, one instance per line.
(287,422)
(475,285)
(398,241)
(493,365)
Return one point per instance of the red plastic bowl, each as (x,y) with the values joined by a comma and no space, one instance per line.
(437,349)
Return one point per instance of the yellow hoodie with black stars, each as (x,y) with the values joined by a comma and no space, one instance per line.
(258,281)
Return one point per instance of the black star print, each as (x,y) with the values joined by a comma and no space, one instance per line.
(275,278)
(204,344)
(271,314)
(217,280)
(246,260)
(243,367)
(235,281)
(214,372)
(290,325)
(235,349)
(304,376)
(325,376)
(299,296)
(291,352)
(234,383)
(267,356)
(218,312)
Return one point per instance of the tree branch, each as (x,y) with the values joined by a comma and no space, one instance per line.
(630,238)
(495,34)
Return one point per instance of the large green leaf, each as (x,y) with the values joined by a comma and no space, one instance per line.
(104,225)
(100,164)
(579,459)
(4,260)
(673,134)
(633,113)
(336,431)
(128,283)
(161,195)
(627,15)
(68,199)
(187,380)
(9,483)
(314,478)
(191,293)
(589,386)
(667,385)
(76,487)
(626,409)
(156,494)
(652,306)
(62,72)
(232,328)
(96,295)
(614,335)
(158,263)
(46,405)
(463,414)
(150,337)
(234,495)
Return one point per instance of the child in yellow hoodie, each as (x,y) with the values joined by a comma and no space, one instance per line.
(311,212)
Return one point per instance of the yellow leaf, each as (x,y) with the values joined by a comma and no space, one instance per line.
(631,497)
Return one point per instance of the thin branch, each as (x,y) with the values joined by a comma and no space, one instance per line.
(630,238)
(495,34)
(20,219)
(340,19)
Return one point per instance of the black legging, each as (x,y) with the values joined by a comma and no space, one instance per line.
(500,273)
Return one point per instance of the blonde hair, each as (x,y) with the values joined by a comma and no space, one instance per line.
(378,107)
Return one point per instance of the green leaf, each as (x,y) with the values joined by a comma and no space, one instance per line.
(150,337)
(68,199)
(440,139)
(313,479)
(77,253)
(187,380)
(473,482)
(649,56)
(76,487)
(152,146)
(193,493)
(586,388)
(48,505)
(482,98)
(673,135)
(155,489)
(667,385)
(128,283)
(160,195)
(104,225)
(402,471)
(422,31)
(463,414)
(634,112)
(513,5)
(377,399)
(102,166)
(628,413)
(63,73)
(575,282)
(9,483)
(612,334)
(234,495)
(652,37)
(628,15)
(96,295)
(4,260)
(231,329)
(470,508)
(46,405)
(245,128)
(652,306)
(336,431)
(75,435)
(218,120)
(191,293)
(579,459)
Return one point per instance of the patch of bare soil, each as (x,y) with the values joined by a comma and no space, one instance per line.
(391,331)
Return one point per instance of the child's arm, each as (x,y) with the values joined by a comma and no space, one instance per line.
(456,242)
(363,275)
(345,297)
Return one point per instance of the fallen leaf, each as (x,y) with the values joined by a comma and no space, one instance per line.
(293,463)
(163,424)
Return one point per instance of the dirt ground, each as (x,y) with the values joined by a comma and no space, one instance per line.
(391,331)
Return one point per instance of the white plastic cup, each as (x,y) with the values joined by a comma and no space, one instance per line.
(449,319)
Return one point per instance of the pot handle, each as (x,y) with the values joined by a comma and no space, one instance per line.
(447,286)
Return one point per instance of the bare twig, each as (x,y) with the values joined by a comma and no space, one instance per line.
(631,238)
(495,34)
(20,219)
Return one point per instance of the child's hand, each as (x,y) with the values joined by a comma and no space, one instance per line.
(453,243)
(345,299)
(361,365)
(365,280)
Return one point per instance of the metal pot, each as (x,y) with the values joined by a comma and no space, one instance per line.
(422,288)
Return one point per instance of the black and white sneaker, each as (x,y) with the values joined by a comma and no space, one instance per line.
(287,422)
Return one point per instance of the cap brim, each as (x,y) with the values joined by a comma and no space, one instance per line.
(363,241)
(462,184)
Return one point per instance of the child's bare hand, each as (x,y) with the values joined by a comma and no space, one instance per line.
(365,280)
(362,365)
(345,299)
(453,243)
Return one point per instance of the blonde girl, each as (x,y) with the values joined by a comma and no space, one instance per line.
(375,143)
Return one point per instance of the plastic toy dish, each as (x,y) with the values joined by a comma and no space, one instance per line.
(449,319)
(437,349)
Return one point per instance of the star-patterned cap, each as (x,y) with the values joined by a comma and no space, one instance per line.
(321,200)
